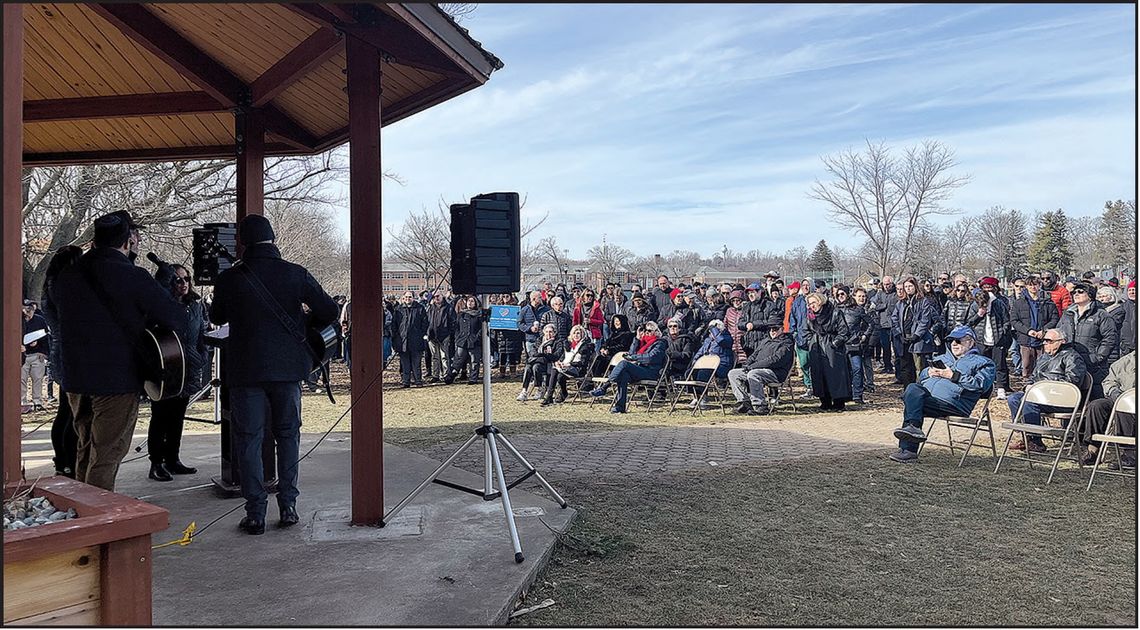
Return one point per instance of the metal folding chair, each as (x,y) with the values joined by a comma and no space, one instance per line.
(708,362)
(1125,403)
(1056,394)
(774,398)
(644,385)
(598,380)
(976,423)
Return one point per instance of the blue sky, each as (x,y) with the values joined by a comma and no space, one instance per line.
(697,126)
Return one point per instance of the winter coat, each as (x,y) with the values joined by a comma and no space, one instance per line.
(1093,335)
(469,329)
(409,326)
(974,375)
(612,306)
(956,312)
(773,354)
(718,342)
(660,300)
(441,322)
(1128,328)
(619,338)
(797,321)
(861,326)
(549,350)
(755,313)
(1021,313)
(826,335)
(561,321)
(593,320)
(194,347)
(529,315)
(1065,365)
(1061,297)
(1121,376)
(653,358)
(637,318)
(39,346)
(913,321)
(680,352)
(997,314)
(884,303)
(1117,312)
(584,357)
(55,362)
(689,318)
(665,312)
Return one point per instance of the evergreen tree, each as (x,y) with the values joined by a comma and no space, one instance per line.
(1051,248)
(821,260)
(1116,237)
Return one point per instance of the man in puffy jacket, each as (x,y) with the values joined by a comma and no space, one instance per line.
(1092,332)
(440,332)
(529,318)
(559,316)
(409,327)
(1057,291)
(769,363)
(883,304)
(950,390)
(1060,362)
(991,323)
(1031,314)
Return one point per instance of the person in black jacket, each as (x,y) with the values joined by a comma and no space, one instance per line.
(102,304)
(266,359)
(546,352)
(33,358)
(64,440)
(680,349)
(827,337)
(409,327)
(1031,314)
(441,321)
(164,435)
(578,354)
(1092,332)
(621,336)
(559,316)
(468,340)
(958,308)
(769,363)
(859,327)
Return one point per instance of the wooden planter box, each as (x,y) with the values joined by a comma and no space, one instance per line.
(91,570)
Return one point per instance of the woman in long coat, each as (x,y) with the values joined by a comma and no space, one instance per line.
(826,337)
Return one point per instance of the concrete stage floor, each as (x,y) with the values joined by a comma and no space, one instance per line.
(446,560)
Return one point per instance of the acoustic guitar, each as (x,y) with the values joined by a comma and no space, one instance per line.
(162,362)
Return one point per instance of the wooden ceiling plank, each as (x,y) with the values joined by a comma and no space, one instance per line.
(147,30)
(120,106)
(308,55)
(157,75)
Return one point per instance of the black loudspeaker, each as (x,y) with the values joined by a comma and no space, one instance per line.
(208,243)
(485,245)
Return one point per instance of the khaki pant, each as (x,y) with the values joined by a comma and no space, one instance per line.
(104,425)
(34,367)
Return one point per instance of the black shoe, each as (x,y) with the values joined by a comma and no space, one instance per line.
(743,407)
(419,383)
(178,468)
(252,526)
(432,379)
(753,411)
(289,516)
(448,380)
(405,385)
(546,402)
(159,473)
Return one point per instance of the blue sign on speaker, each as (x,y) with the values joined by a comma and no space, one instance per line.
(504,317)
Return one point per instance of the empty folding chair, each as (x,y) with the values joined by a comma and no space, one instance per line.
(598,380)
(1051,393)
(708,362)
(651,387)
(979,422)
(1125,403)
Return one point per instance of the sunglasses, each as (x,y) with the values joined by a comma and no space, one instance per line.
(1081,291)
(1051,340)
(673,326)
(182,281)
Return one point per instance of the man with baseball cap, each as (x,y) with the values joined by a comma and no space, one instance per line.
(964,376)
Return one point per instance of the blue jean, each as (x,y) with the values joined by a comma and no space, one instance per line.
(279,405)
(387,348)
(856,362)
(917,404)
(1031,414)
(1015,357)
(887,348)
(624,374)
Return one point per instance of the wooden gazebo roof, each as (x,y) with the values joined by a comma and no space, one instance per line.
(127,82)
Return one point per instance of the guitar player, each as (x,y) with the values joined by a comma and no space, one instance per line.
(102,304)
(261,299)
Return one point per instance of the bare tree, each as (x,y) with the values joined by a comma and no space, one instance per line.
(797,260)
(885,198)
(458,11)
(1002,237)
(548,249)
(609,259)
(424,242)
(956,245)
(681,263)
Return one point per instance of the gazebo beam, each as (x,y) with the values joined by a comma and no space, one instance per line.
(363,69)
(126,156)
(11,229)
(164,104)
(315,50)
(150,32)
(249,133)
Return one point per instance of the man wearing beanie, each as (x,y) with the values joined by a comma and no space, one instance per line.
(266,362)
(102,304)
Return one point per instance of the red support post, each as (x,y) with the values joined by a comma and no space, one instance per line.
(11,228)
(363,65)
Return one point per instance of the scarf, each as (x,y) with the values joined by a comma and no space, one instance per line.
(646,341)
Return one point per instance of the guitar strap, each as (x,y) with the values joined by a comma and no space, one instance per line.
(286,321)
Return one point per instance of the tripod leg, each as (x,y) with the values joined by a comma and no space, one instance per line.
(510,447)
(420,488)
(488,483)
(505,498)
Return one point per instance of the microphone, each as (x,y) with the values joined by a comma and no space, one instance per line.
(155,259)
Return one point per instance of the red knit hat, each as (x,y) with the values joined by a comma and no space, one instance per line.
(795,286)
(674,293)
(990,280)
(1132,285)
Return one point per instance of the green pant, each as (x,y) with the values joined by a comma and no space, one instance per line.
(802,358)
(104,425)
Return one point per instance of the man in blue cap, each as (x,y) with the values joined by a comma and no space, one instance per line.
(953,389)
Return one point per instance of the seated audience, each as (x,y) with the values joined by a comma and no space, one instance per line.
(1121,377)
(537,364)
(575,360)
(1060,362)
(642,364)
(768,364)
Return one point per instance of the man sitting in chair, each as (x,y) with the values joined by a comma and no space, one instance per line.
(769,363)
(950,385)
(1121,377)
(1059,362)
(643,363)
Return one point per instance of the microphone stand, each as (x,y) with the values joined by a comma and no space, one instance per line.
(492,464)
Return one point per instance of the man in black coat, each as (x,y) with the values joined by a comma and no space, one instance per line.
(1031,314)
(99,334)
(440,331)
(266,359)
(409,327)
(768,364)
(34,358)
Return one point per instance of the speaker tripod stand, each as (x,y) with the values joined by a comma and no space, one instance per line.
(495,485)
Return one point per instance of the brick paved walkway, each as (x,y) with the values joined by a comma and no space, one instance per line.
(640,451)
